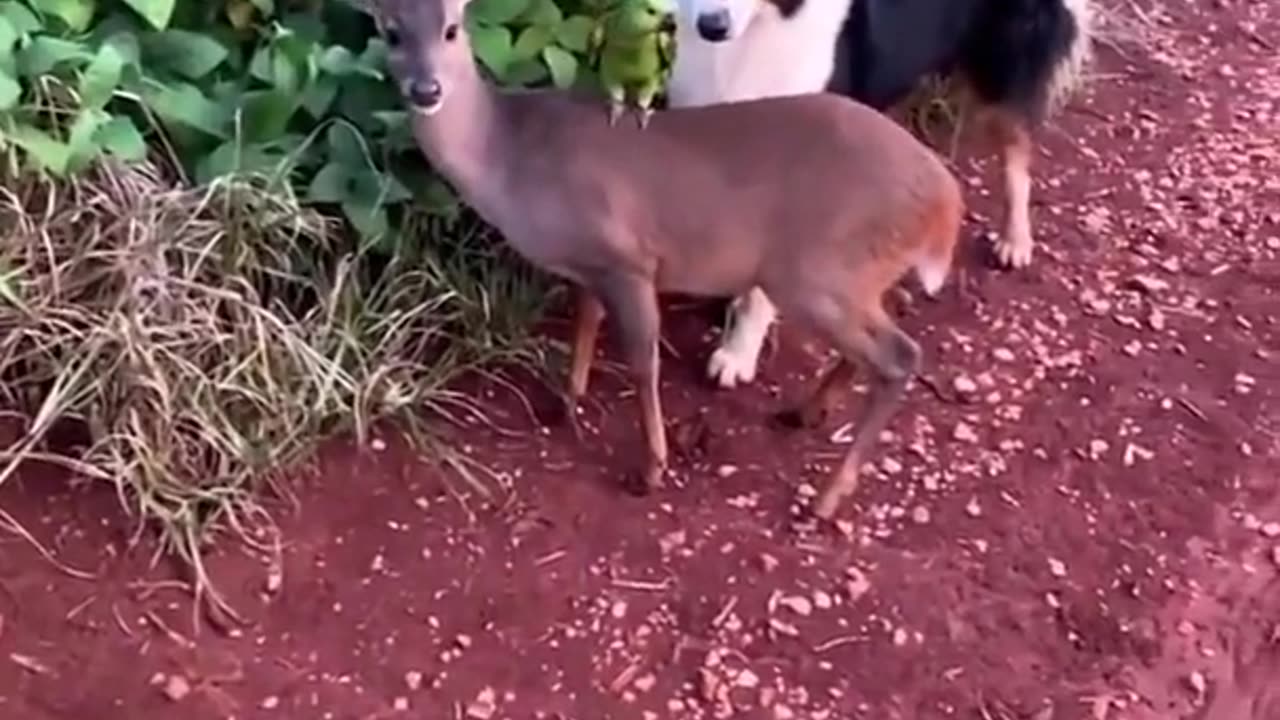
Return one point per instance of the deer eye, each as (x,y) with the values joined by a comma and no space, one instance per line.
(392,36)
(451,32)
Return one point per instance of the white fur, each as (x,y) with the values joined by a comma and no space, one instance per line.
(766,56)
(932,273)
(1069,74)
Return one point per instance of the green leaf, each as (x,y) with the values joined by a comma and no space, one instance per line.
(232,158)
(46,53)
(318,97)
(186,105)
(77,14)
(156,12)
(575,32)
(331,185)
(22,19)
(284,73)
(10,92)
(531,42)
(368,218)
(562,64)
(191,55)
(265,114)
(9,36)
(345,145)
(41,148)
(99,82)
(493,46)
(525,72)
(543,12)
(337,60)
(121,138)
(80,139)
(496,12)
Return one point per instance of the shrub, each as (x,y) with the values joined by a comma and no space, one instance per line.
(178,278)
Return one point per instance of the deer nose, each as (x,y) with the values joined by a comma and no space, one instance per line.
(425,93)
(714,26)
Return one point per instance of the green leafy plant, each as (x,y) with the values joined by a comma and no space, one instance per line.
(290,89)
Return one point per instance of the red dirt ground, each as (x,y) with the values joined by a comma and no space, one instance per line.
(1092,532)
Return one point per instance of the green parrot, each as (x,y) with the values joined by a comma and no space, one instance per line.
(633,45)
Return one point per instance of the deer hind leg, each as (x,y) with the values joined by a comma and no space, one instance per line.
(736,359)
(588,316)
(893,358)
(1013,136)
(632,302)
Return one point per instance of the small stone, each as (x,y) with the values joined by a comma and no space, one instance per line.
(1271,529)
(463,641)
(973,508)
(858,584)
(822,600)
(768,562)
(900,637)
(413,680)
(672,540)
(782,712)
(1197,682)
(964,433)
(747,679)
(1002,354)
(964,385)
(727,471)
(176,688)
(1156,319)
(378,444)
(797,604)
(618,610)
(645,683)
(1275,556)
(270,703)
(1148,284)
(1057,568)
(485,705)
(920,515)
(400,704)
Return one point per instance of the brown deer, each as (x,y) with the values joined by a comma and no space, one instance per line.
(818,200)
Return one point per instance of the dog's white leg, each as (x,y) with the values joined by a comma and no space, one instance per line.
(1014,247)
(736,360)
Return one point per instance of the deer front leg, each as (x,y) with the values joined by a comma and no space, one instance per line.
(588,316)
(632,302)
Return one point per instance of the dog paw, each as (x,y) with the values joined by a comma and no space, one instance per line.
(730,366)
(1013,252)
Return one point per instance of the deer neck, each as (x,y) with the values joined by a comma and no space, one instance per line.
(466,139)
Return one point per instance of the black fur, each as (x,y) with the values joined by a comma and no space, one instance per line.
(1007,49)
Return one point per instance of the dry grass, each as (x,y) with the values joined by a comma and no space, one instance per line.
(199,339)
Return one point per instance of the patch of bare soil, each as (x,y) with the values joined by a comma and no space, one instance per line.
(1075,516)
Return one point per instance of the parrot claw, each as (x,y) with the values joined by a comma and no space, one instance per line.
(643,116)
(615,111)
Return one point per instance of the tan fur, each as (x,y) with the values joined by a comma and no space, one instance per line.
(821,202)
